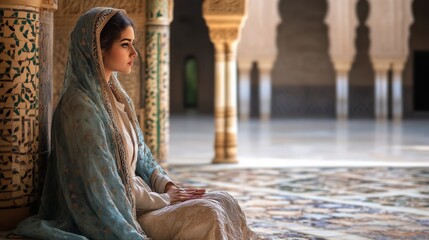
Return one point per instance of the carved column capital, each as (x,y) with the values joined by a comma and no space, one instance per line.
(224,19)
(380,64)
(159,12)
(398,65)
(21,4)
(224,34)
(224,7)
(50,5)
(265,64)
(342,66)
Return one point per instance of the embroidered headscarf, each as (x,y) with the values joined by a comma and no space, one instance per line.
(87,191)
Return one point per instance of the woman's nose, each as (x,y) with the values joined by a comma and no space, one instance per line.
(134,52)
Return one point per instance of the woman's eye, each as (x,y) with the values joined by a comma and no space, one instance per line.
(124,45)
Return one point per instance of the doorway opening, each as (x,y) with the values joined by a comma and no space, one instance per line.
(421,81)
(191,83)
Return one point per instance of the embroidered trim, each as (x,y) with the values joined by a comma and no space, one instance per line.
(124,172)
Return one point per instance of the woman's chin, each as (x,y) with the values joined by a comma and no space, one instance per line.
(126,71)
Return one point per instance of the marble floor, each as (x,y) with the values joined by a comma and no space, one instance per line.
(303,142)
(315,179)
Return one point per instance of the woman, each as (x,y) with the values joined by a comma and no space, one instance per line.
(102,181)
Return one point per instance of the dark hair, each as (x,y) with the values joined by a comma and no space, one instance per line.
(113,28)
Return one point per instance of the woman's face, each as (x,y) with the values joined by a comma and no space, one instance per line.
(120,57)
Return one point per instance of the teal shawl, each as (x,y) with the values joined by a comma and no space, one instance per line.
(87,191)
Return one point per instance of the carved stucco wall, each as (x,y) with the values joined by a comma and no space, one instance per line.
(226,7)
(262,19)
(65,18)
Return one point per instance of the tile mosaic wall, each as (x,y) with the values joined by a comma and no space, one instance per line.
(19,80)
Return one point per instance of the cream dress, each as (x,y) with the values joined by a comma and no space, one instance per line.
(216,215)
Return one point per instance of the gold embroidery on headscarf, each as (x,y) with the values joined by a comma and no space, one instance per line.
(108,96)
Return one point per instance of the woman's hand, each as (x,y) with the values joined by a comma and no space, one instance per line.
(183,194)
(169,186)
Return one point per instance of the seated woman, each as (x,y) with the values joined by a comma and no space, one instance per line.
(102,181)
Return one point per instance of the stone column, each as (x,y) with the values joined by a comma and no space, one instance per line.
(342,94)
(231,102)
(220,101)
(265,91)
(244,89)
(224,19)
(397,101)
(381,90)
(389,22)
(19,109)
(157,78)
(342,22)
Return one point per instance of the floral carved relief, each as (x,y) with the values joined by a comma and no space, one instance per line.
(78,7)
(225,7)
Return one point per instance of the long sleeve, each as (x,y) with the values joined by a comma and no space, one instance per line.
(159,181)
(146,164)
(146,200)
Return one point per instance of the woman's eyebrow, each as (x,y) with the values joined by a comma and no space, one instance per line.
(125,39)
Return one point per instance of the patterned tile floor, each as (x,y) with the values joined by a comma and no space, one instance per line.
(324,203)
(316,179)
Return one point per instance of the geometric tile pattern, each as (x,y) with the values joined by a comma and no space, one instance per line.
(319,101)
(323,203)
(19,128)
(303,101)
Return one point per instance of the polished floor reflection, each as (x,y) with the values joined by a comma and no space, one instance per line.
(316,179)
(306,142)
